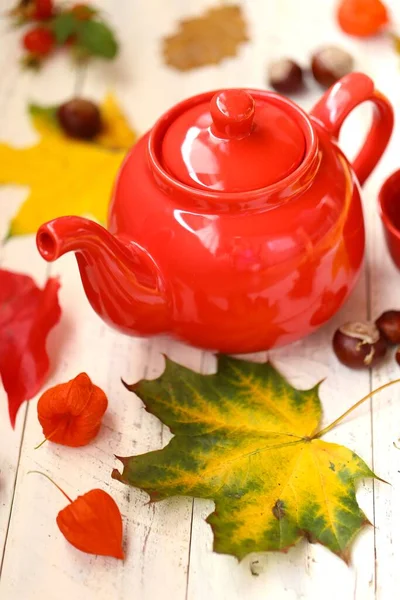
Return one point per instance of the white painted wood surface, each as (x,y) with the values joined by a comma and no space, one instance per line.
(169,544)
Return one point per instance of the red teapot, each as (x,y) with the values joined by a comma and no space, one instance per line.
(236,222)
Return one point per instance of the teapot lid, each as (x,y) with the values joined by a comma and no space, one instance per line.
(237,142)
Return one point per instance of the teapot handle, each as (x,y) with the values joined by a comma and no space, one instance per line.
(337,103)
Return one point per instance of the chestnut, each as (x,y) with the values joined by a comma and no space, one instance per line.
(80,118)
(397,356)
(359,345)
(286,76)
(389,326)
(329,64)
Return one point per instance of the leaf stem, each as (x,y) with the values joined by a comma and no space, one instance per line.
(53,482)
(356,405)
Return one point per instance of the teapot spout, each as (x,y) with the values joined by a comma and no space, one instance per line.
(121,280)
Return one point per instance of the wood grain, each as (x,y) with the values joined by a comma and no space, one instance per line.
(169,545)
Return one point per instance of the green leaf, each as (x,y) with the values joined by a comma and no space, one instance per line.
(248,440)
(63,26)
(46,113)
(97,39)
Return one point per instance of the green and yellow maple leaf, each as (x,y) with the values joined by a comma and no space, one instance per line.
(66,176)
(248,440)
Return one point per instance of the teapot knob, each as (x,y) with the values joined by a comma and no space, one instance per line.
(232,112)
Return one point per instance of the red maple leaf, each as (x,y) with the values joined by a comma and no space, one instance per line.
(27,314)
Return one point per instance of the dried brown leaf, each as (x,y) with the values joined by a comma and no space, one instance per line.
(396,42)
(206,40)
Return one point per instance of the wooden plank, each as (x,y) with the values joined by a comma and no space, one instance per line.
(385,284)
(158,536)
(16,90)
(385,294)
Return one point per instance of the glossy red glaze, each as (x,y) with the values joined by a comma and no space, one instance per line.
(232,142)
(234,271)
(389,203)
(232,113)
(337,104)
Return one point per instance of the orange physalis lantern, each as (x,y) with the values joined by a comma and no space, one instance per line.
(92,523)
(71,413)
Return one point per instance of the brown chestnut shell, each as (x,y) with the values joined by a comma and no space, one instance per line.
(80,118)
(389,326)
(286,76)
(329,64)
(359,345)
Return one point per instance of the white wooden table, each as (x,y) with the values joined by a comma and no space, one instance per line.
(169,544)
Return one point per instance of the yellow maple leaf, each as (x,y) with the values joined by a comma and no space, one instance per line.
(116,132)
(66,176)
(247,439)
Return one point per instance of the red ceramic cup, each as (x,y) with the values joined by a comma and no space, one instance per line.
(389,203)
